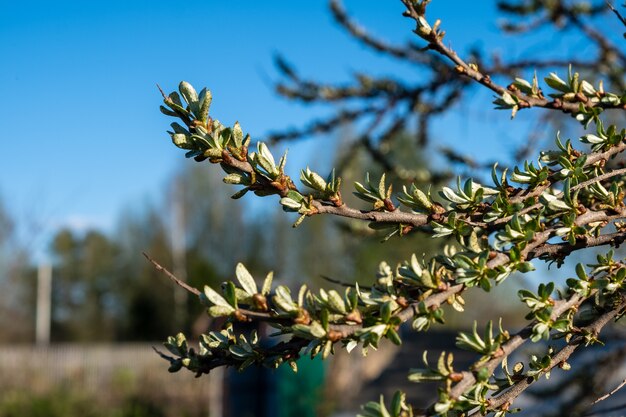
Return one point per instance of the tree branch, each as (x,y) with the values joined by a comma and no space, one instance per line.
(434,39)
(605,396)
(171,276)
(408,52)
(511,345)
(509,396)
(559,250)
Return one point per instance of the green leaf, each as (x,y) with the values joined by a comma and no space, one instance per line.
(245,279)
(220,311)
(237,135)
(230,294)
(328,348)
(267,283)
(290,204)
(188,92)
(396,403)
(234,179)
(205,103)
(216,298)
(283,299)
(182,141)
(240,193)
(381,186)
(393,336)
(317,329)
(335,301)
(266,159)
(385,312)
(167,111)
(558,84)
(238,351)
(383,410)
(175,366)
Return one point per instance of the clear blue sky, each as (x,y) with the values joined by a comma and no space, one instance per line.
(82,136)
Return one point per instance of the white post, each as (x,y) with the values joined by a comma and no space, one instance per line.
(44,304)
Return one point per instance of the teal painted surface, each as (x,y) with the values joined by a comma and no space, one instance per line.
(299,394)
(263,392)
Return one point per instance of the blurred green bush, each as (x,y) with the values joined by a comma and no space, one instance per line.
(64,402)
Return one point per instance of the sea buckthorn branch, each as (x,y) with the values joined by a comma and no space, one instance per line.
(258,172)
(591,375)
(586,335)
(413,54)
(458,383)
(439,87)
(463,391)
(574,96)
(416,290)
(539,190)
(430,301)
(561,250)
(206,138)
(498,230)
(277,308)
(241,352)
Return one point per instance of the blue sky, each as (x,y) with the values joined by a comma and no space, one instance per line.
(82,136)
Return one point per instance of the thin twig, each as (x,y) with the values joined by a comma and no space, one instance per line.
(259,315)
(336,281)
(358,32)
(617,13)
(171,276)
(605,410)
(605,396)
(165,97)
